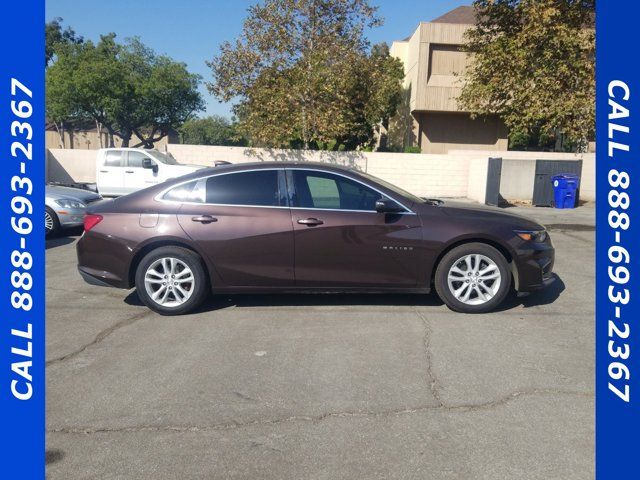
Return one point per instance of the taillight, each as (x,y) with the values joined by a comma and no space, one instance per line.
(91,220)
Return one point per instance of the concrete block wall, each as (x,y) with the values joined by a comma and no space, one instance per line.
(70,165)
(518,171)
(422,174)
(477,187)
(457,174)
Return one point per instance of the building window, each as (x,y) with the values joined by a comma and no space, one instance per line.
(446,60)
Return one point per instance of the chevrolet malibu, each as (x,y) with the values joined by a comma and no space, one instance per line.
(304,227)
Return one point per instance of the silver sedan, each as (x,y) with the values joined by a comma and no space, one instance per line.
(65,207)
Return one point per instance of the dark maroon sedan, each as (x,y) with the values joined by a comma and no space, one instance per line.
(304,227)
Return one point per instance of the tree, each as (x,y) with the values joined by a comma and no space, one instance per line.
(385,91)
(55,36)
(213,130)
(533,64)
(126,89)
(300,73)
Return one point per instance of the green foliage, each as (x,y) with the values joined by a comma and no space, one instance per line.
(55,37)
(412,149)
(302,75)
(127,88)
(213,130)
(533,65)
(533,141)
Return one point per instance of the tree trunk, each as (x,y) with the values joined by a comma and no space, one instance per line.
(126,138)
(383,135)
(60,130)
(149,140)
(305,131)
(99,130)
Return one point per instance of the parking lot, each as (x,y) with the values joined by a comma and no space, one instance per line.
(315,386)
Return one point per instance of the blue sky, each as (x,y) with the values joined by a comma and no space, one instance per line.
(190,31)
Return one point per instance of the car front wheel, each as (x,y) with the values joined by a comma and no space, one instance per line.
(473,278)
(171,280)
(51,223)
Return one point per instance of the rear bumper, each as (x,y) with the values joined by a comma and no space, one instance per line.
(93,280)
(103,261)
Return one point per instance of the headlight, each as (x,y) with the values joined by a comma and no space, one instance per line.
(75,204)
(537,236)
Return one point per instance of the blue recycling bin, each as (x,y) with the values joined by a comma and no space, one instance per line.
(565,189)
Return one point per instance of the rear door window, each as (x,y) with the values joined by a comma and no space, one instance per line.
(256,188)
(113,158)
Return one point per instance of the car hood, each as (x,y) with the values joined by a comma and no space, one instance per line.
(56,192)
(475,212)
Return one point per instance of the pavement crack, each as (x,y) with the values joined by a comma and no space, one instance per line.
(318,418)
(101,336)
(431,376)
(515,395)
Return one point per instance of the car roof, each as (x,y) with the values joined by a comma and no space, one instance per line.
(281,164)
(138,149)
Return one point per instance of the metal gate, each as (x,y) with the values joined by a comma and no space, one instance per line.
(545,169)
(494,173)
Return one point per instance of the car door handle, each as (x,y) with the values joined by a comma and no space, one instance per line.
(128,171)
(104,171)
(310,222)
(204,219)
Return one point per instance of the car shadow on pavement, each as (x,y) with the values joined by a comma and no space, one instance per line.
(69,236)
(219,302)
(53,456)
(544,296)
(58,242)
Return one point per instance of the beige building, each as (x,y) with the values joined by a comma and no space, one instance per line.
(430,116)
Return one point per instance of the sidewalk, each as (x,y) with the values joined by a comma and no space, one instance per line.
(581,218)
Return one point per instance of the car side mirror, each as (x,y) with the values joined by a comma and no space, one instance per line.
(386,205)
(148,163)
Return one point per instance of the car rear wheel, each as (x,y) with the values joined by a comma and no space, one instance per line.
(473,278)
(51,223)
(171,280)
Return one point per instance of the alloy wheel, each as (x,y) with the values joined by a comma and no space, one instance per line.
(48,222)
(474,279)
(169,282)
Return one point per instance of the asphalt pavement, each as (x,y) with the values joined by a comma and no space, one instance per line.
(324,387)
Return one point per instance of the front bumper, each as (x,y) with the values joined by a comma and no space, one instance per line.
(70,217)
(534,268)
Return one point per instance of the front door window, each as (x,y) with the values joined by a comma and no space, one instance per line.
(323,190)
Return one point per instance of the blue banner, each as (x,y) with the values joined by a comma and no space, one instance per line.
(617,240)
(22,177)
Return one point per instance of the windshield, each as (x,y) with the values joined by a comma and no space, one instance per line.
(393,188)
(162,157)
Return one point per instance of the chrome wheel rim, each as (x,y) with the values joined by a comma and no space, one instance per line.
(474,279)
(48,222)
(169,282)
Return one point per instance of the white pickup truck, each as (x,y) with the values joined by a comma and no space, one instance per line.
(124,170)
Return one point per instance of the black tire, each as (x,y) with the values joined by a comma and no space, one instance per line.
(453,257)
(55,223)
(198,291)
